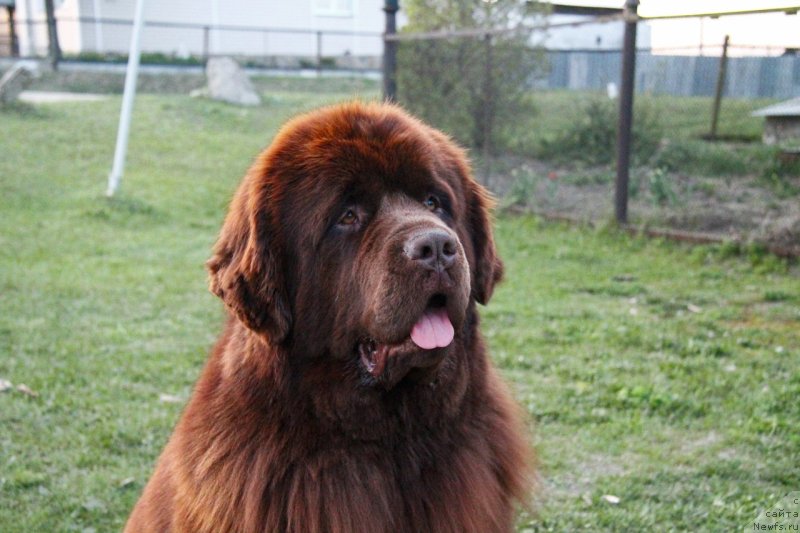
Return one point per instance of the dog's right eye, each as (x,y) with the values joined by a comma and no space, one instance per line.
(349,218)
(432,203)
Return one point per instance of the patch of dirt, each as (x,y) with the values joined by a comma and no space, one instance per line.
(740,208)
(701,444)
(582,477)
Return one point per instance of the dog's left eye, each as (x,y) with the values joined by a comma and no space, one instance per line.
(432,203)
(349,218)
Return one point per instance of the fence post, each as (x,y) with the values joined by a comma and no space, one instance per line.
(52,34)
(319,52)
(626,113)
(723,67)
(12,32)
(206,41)
(390,7)
(488,110)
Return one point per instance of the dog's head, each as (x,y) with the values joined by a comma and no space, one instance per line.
(359,235)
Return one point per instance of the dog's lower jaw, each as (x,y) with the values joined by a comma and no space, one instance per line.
(386,365)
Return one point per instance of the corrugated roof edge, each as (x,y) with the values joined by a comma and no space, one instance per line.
(789,108)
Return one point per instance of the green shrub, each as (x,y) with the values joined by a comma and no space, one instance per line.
(701,157)
(153,58)
(593,138)
(661,189)
(694,156)
(158,58)
(521,193)
(324,62)
(471,87)
(776,296)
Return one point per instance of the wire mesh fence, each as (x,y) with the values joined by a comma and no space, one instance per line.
(541,125)
(541,121)
(100,39)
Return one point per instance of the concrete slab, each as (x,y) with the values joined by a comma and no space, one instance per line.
(46,97)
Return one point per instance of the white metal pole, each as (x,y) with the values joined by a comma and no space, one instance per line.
(127,101)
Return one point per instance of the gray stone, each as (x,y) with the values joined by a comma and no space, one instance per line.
(15,80)
(228,82)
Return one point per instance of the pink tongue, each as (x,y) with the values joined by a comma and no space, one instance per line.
(433,329)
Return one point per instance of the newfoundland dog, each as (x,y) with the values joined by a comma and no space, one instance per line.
(350,390)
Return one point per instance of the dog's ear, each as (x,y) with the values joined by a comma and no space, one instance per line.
(488,269)
(244,270)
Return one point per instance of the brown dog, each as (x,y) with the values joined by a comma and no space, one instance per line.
(351,390)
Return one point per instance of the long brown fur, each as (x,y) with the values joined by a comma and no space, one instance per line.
(285,430)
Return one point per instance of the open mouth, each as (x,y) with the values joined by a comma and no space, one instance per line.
(433,329)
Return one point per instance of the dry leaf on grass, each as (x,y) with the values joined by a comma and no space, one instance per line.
(169,398)
(24,389)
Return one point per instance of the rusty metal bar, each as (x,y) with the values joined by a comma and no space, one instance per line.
(625,114)
(723,67)
(789,10)
(52,34)
(390,7)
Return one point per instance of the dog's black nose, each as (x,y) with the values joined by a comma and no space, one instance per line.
(432,249)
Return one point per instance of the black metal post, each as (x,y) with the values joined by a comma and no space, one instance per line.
(723,67)
(12,32)
(390,7)
(626,113)
(52,34)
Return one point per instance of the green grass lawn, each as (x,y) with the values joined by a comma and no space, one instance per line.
(665,375)
(681,117)
(670,130)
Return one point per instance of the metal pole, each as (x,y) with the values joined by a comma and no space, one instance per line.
(12,32)
(127,101)
(723,67)
(319,52)
(52,33)
(701,36)
(625,113)
(390,7)
(206,43)
(488,111)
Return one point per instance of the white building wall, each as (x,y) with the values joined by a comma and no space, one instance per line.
(31,28)
(306,17)
(32,37)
